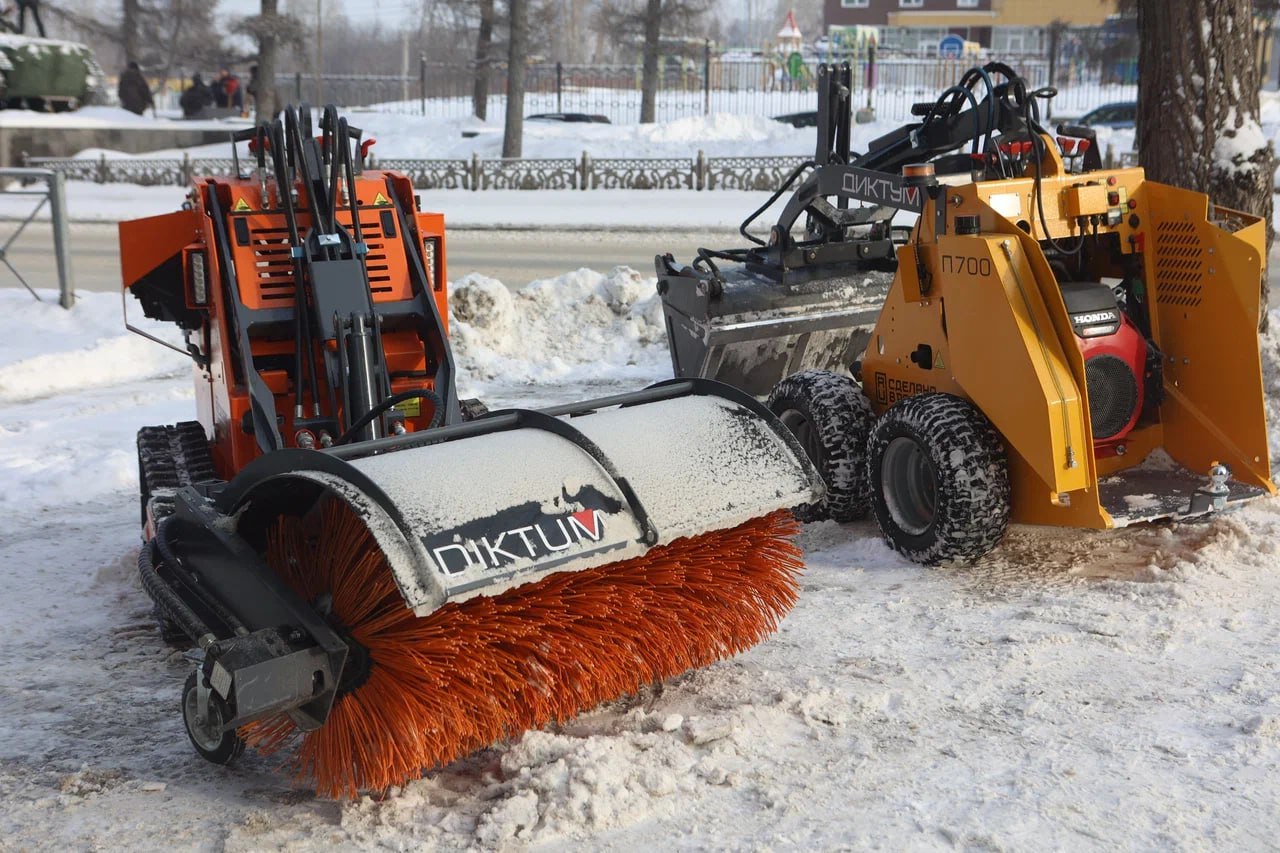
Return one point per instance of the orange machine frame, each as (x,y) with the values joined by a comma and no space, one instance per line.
(264,279)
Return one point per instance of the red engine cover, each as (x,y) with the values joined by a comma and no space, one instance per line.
(1115,369)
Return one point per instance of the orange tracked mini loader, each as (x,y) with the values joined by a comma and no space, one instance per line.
(375,579)
(1059,343)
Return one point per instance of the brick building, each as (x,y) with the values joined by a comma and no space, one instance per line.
(1004,26)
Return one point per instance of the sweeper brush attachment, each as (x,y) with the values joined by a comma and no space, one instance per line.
(378,576)
(471,673)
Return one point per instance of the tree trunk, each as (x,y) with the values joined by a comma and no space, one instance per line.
(267,101)
(649,74)
(518,50)
(129,31)
(1198,104)
(484,43)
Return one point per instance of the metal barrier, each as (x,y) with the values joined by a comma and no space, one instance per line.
(54,194)
(581,173)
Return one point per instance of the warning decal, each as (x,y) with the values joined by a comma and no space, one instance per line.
(241,206)
(410,408)
(381,200)
(938,363)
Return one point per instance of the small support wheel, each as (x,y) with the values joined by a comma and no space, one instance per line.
(830,417)
(939,479)
(206,731)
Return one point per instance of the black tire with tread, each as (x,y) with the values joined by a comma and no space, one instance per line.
(970,471)
(842,416)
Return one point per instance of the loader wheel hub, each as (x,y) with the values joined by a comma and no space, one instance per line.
(206,731)
(910,487)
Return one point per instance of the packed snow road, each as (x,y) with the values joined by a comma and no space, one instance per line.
(1074,690)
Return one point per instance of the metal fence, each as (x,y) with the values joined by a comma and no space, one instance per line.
(43,186)
(716,84)
(566,173)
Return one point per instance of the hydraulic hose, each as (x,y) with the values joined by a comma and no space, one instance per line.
(169,602)
(437,414)
(219,609)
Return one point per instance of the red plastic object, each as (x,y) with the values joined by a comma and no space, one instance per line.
(1068,145)
(1126,344)
(366,145)
(1084,145)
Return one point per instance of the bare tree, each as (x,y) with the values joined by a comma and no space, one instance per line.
(130,21)
(517,54)
(1198,111)
(272,31)
(484,44)
(649,67)
(648,22)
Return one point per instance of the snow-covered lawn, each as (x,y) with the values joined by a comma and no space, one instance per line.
(1073,691)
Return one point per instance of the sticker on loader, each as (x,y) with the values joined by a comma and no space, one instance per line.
(241,206)
(411,408)
(381,200)
(889,391)
(525,533)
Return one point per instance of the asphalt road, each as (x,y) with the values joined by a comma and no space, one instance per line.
(513,257)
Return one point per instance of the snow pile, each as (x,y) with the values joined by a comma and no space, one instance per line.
(46,350)
(582,327)
(58,367)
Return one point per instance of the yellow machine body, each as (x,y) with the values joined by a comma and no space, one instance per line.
(991,317)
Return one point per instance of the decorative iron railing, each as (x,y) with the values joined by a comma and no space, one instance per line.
(581,173)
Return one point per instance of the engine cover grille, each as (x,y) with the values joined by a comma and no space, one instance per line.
(1113,394)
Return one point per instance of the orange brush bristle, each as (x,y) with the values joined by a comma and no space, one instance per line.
(473,673)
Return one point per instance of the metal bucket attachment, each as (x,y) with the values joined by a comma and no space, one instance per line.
(751,331)
(480,507)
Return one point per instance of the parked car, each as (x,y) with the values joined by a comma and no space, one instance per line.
(1122,114)
(577,118)
(805,119)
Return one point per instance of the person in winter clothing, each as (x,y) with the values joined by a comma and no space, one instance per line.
(134,92)
(34,6)
(196,99)
(226,90)
(251,90)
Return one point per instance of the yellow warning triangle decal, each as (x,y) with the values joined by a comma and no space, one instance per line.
(241,206)
(938,363)
(380,199)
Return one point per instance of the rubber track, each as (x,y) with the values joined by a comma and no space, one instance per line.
(170,457)
(174,456)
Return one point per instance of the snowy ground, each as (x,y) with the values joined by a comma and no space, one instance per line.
(1073,691)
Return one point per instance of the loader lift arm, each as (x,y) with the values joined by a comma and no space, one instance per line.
(1006,110)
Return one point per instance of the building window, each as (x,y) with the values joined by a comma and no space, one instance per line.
(966,4)
(911,4)
(855,4)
